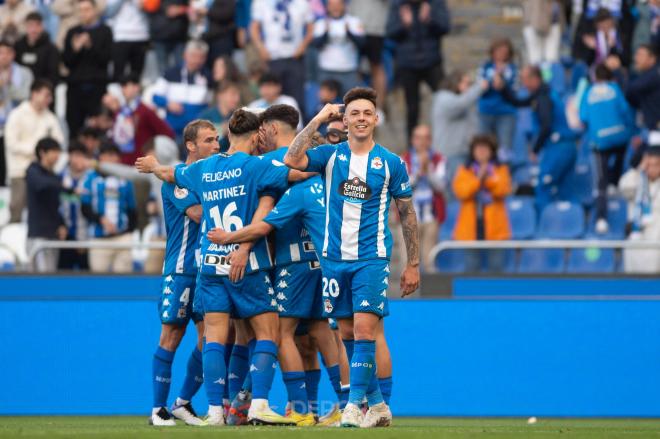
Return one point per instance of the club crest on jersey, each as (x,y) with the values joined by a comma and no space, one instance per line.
(376,163)
(180,192)
(355,190)
(327,306)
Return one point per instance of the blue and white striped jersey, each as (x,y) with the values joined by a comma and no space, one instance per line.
(229,187)
(292,240)
(74,220)
(182,232)
(110,197)
(358,191)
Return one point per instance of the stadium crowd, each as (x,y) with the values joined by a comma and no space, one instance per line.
(581,111)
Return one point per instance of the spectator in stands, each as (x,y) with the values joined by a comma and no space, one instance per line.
(168,28)
(543,22)
(605,40)
(76,225)
(15,83)
(417,26)
(373,14)
(329,93)
(36,52)
(134,123)
(43,201)
(87,52)
(92,139)
(227,99)
(339,38)
(67,11)
(454,117)
(108,204)
(226,70)
(130,31)
(183,90)
(641,187)
(481,185)
(281,32)
(221,34)
(427,171)
(647,29)
(12,19)
(496,115)
(270,90)
(609,122)
(554,147)
(26,125)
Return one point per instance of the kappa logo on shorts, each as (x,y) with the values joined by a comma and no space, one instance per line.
(384,293)
(381,306)
(266,279)
(167,290)
(166,302)
(220,381)
(280,308)
(271,291)
(284,273)
(281,296)
(169,278)
(386,281)
(386,269)
(327,306)
(282,284)
(273,302)
(166,315)
(364,303)
(233,376)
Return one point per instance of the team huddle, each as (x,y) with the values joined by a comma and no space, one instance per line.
(279,250)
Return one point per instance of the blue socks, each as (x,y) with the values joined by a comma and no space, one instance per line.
(312,380)
(247,384)
(215,372)
(161,374)
(262,368)
(363,370)
(229,347)
(238,369)
(350,346)
(373,392)
(386,388)
(296,391)
(194,376)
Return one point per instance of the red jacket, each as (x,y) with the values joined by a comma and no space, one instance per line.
(438,198)
(147,126)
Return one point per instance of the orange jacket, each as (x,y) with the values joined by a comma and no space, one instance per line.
(466,185)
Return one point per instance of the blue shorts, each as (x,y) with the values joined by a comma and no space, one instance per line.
(252,296)
(197,301)
(355,286)
(176,300)
(298,290)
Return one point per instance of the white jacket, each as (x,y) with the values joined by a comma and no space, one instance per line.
(24,128)
(642,261)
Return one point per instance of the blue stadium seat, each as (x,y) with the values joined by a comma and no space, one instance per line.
(541,260)
(447,228)
(522,217)
(520,148)
(562,220)
(451,261)
(591,260)
(581,183)
(558,78)
(617,217)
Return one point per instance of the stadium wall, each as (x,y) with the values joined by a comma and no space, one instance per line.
(83,345)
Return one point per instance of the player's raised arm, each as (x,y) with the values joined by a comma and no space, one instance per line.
(149,165)
(410,275)
(296,156)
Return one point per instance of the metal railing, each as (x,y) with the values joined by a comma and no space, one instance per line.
(542,244)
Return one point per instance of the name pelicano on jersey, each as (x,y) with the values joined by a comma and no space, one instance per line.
(222,193)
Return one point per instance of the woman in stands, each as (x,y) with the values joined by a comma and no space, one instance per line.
(481,185)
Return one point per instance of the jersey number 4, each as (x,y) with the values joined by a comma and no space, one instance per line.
(228,219)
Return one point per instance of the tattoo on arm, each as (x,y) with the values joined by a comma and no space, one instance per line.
(409,225)
(301,143)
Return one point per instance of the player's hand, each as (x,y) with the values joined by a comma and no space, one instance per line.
(61,233)
(218,236)
(146,164)
(498,82)
(409,280)
(108,226)
(238,261)
(328,112)
(174,107)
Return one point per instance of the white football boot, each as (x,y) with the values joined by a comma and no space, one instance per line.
(378,416)
(352,416)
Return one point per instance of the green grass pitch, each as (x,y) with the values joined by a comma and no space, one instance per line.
(449,428)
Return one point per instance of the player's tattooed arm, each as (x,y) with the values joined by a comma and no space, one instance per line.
(410,275)
(295,157)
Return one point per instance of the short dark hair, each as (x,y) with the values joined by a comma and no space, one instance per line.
(39,84)
(243,122)
(281,113)
(192,129)
(652,151)
(483,139)
(131,78)
(90,132)
(452,80)
(93,2)
(226,85)
(602,73)
(649,48)
(603,14)
(46,144)
(34,16)
(270,78)
(77,147)
(6,43)
(331,84)
(501,42)
(535,71)
(356,93)
(109,147)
